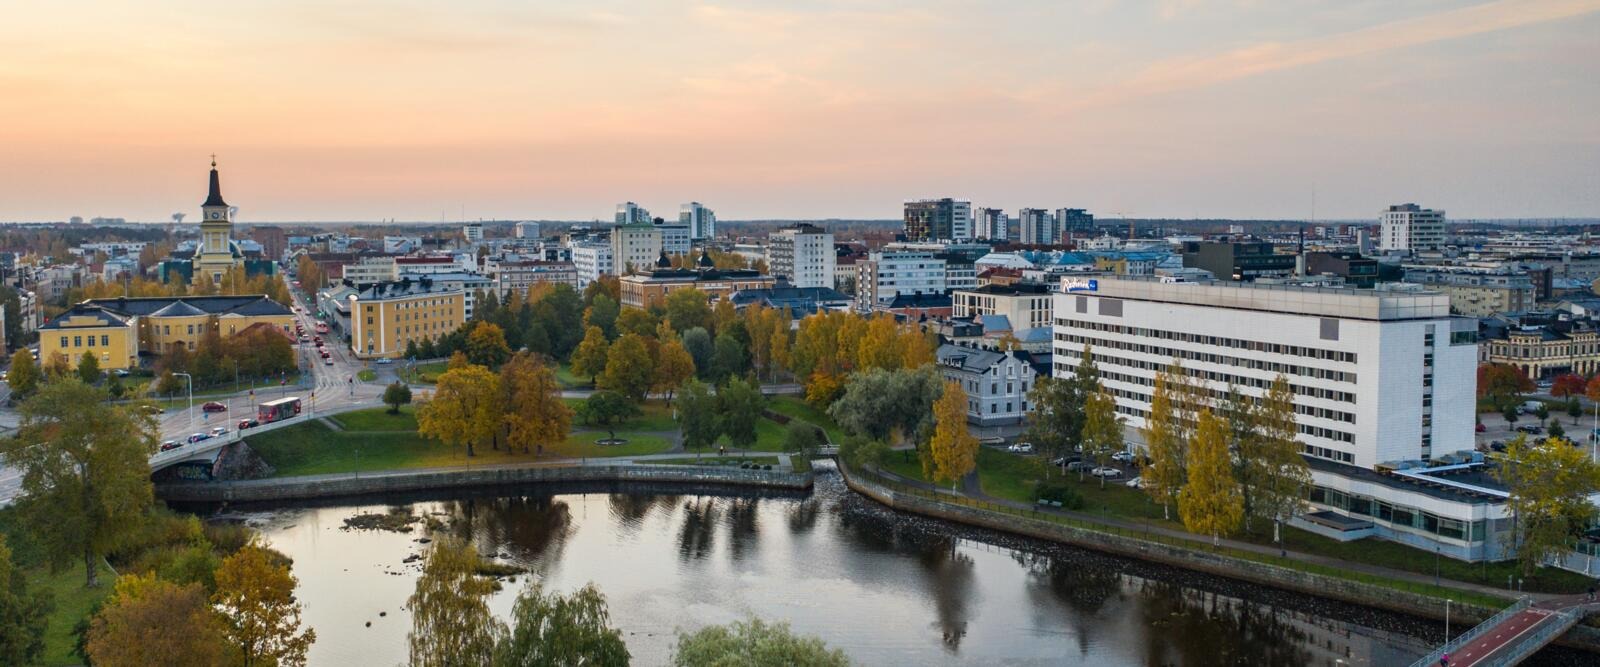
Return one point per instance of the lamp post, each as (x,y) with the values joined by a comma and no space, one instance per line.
(189,382)
(1447,602)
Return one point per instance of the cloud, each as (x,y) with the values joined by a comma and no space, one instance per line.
(1184,73)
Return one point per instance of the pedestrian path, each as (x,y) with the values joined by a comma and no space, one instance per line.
(1512,635)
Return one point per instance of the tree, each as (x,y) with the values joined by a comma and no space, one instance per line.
(1280,474)
(1502,384)
(1210,503)
(636,321)
(531,398)
(261,618)
(1240,414)
(952,452)
(673,366)
(739,404)
(24,614)
(729,358)
(451,623)
(602,312)
(1574,410)
(24,374)
(606,409)
(629,370)
(552,630)
(802,438)
(700,348)
(754,643)
(85,470)
(862,452)
(1568,384)
(697,415)
(1549,482)
(396,395)
(608,286)
(1555,429)
(89,368)
(57,366)
(1511,413)
(1542,411)
(688,309)
(590,357)
(464,410)
(882,404)
(148,621)
(486,345)
(1102,430)
(1166,443)
(1056,422)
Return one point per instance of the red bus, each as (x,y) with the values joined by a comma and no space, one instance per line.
(278,410)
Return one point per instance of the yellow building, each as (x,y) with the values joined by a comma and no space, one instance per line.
(385,317)
(88,329)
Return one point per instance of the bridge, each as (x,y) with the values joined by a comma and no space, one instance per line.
(206,450)
(1509,637)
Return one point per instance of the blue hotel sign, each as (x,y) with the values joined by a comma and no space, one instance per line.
(1080,285)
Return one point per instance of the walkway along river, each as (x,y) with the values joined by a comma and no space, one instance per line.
(887,587)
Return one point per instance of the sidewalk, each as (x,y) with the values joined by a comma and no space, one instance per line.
(972,490)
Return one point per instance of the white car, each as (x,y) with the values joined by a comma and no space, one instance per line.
(1108,473)
(328,361)
(219,431)
(385,361)
(1136,483)
(1124,457)
(1021,448)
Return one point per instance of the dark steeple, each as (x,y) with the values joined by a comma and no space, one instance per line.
(662,262)
(705,259)
(214,198)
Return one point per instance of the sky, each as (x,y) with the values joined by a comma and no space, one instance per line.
(478,109)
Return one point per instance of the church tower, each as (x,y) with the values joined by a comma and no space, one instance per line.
(215,256)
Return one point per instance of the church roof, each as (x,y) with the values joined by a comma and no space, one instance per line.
(214,197)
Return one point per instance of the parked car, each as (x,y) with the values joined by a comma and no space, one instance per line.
(1063,461)
(1529,406)
(219,431)
(386,361)
(1480,427)
(198,437)
(1079,465)
(1123,457)
(327,360)
(248,423)
(1021,448)
(1497,446)
(1108,473)
(120,372)
(213,406)
(1136,483)
(170,445)
(1530,429)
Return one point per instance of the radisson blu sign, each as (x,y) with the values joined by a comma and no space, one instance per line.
(1080,285)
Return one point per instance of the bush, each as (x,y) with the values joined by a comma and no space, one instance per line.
(227,538)
(1059,492)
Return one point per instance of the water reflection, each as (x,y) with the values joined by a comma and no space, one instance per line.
(888,589)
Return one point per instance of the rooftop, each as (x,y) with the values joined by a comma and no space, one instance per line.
(1291,299)
(164,306)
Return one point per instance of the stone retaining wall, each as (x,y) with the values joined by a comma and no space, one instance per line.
(329,486)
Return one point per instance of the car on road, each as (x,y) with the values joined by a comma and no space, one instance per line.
(1122,457)
(170,445)
(219,431)
(324,354)
(386,361)
(213,406)
(248,423)
(327,360)
(316,339)
(1108,473)
(198,437)
(1021,448)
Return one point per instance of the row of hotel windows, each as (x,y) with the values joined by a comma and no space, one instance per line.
(1216,341)
(1305,429)
(1308,450)
(77,341)
(1400,516)
(1256,364)
(1218,396)
(1063,367)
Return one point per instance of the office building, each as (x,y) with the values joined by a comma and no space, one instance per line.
(520,276)
(1478,292)
(592,259)
(1074,221)
(386,317)
(890,273)
(992,224)
(938,220)
(675,238)
(1411,228)
(527,230)
(1356,270)
(701,221)
(635,247)
(1038,227)
(1024,305)
(473,233)
(1238,261)
(802,254)
(629,213)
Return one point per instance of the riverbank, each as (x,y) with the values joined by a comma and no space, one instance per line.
(307,487)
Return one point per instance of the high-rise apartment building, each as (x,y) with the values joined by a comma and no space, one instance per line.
(635,247)
(1038,227)
(592,259)
(527,230)
(886,274)
(803,254)
(676,239)
(1074,221)
(1411,228)
(702,221)
(938,220)
(992,224)
(473,232)
(629,213)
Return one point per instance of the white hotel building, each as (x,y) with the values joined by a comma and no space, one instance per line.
(1383,381)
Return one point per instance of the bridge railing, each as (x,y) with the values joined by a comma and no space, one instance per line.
(1524,646)
(1477,631)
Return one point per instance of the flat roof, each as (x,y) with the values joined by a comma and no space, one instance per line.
(1345,303)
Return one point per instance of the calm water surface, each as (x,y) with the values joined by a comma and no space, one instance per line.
(888,589)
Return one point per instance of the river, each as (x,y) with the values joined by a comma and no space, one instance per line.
(888,588)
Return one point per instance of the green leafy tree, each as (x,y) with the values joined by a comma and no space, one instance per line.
(698,343)
(602,312)
(24,374)
(739,404)
(606,409)
(23,614)
(1555,429)
(89,368)
(552,630)
(1210,503)
(1549,482)
(589,359)
(396,395)
(261,618)
(629,370)
(730,357)
(802,438)
(1102,429)
(1542,411)
(85,471)
(688,309)
(862,452)
(754,643)
(1245,442)
(1055,425)
(883,404)
(697,415)
(1280,474)
(451,624)
(636,321)
(1574,410)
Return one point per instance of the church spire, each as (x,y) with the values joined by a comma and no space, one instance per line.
(214,198)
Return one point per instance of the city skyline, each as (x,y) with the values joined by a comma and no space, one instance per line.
(832,110)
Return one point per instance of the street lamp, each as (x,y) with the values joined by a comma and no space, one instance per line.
(1447,602)
(189,381)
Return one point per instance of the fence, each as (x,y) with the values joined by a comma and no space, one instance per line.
(1477,631)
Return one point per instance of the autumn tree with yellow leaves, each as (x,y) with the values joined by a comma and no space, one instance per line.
(534,414)
(1210,502)
(464,409)
(953,451)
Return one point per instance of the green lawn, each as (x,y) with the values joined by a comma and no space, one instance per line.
(654,415)
(715,461)
(72,602)
(1006,475)
(904,463)
(379,419)
(426,373)
(797,408)
(769,437)
(366,375)
(567,379)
